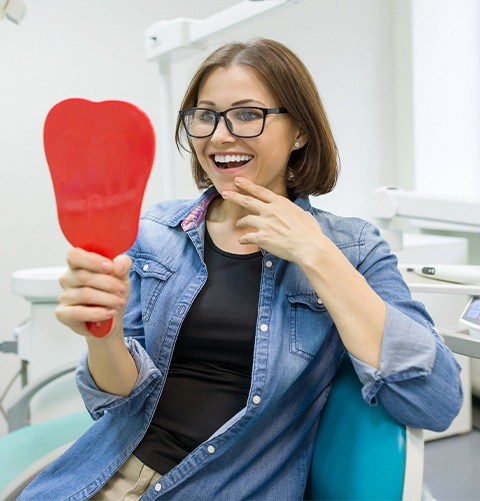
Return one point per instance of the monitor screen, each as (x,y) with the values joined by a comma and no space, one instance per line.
(472,311)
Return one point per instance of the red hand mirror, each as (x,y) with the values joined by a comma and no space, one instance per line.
(100,156)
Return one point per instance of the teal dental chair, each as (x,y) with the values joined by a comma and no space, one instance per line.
(360,452)
(28,448)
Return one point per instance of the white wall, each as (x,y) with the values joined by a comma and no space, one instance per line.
(446,69)
(437,96)
(92,49)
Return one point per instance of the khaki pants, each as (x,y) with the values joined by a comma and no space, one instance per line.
(128,483)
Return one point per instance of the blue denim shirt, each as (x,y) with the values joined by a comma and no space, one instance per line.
(264,451)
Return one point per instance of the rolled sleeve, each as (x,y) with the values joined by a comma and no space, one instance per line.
(408,352)
(98,402)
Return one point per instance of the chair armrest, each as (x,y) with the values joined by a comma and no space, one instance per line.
(414,461)
(16,485)
(17,413)
(461,342)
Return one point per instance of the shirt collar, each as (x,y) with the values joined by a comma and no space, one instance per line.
(199,211)
(195,213)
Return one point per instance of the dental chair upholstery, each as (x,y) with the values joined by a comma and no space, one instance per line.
(28,448)
(360,452)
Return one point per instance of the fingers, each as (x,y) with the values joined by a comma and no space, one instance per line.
(121,266)
(94,289)
(77,316)
(81,259)
(256,198)
(87,269)
(249,221)
(259,192)
(89,296)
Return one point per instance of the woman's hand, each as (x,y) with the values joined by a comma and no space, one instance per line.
(95,289)
(278,225)
(289,232)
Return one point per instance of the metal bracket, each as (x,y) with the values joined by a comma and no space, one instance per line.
(10,346)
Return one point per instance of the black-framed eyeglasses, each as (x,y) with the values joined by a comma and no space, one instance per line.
(241,121)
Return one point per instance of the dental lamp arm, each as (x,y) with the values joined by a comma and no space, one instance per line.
(13,10)
(165,37)
(390,202)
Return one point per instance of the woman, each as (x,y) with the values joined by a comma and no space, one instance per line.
(241,306)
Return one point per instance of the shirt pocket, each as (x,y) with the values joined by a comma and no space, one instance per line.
(153,276)
(310,324)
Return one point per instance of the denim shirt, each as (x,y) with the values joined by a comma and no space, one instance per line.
(264,451)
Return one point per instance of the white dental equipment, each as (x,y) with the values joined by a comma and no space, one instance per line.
(45,345)
(471,318)
(452,214)
(392,205)
(13,10)
(401,214)
(459,274)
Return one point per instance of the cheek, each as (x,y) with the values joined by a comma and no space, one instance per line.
(280,153)
(197,147)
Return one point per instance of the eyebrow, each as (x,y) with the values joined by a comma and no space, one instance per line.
(236,103)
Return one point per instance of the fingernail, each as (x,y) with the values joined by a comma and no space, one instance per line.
(107,266)
(238,180)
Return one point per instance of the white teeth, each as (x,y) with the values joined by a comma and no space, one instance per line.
(232,158)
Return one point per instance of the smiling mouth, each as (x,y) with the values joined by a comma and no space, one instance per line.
(230,161)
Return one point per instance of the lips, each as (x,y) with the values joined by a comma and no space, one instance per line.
(230,161)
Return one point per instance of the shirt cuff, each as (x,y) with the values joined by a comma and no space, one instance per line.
(408,352)
(98,401)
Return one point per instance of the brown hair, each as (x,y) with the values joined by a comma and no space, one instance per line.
(314,168)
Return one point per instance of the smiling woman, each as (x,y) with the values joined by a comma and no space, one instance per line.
(272,66)
(268,138)
(241,305)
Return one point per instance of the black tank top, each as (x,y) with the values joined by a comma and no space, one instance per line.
(210,373)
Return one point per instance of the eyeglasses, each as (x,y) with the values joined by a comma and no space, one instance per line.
(240,121)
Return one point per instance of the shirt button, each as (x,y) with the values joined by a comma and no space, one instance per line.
(145,267)
(269,264)
(319,301)
(264,327)
(158,487)
(256,399)
(211,449)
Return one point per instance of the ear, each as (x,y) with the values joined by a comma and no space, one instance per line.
(300,140)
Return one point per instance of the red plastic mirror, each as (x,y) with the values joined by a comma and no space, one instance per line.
(100,156)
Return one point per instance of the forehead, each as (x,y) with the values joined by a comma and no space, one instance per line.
(225,86)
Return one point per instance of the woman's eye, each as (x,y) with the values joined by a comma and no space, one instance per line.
(247,115)
(207,116)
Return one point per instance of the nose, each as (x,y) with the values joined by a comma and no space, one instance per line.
(222,134)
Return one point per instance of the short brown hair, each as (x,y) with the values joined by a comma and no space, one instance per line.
(313,169)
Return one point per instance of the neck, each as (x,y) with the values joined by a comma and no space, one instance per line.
(223,211)
(221,220)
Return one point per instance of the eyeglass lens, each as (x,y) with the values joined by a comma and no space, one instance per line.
(244,122)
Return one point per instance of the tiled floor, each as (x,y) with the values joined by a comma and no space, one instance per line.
(452,465)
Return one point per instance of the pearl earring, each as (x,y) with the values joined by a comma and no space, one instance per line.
(296,144)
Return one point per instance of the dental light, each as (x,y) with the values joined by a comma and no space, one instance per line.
(13,10)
